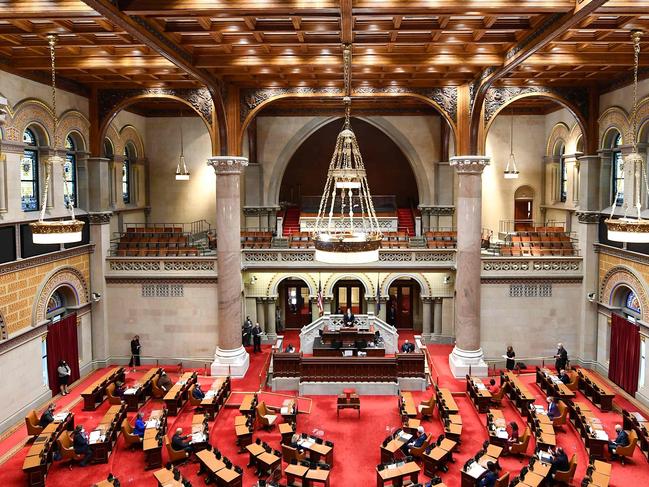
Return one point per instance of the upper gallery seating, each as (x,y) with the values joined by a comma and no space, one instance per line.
(300,240)
(392,240)
(155,241)
(256,240)
(541,242)
(441,240)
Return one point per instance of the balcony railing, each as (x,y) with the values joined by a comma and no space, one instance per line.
(503,267)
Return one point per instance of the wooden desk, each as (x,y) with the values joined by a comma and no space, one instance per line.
(268,462)
(321,349)
(397,474)
(177,395)
(294,472)
(317,451)
(446,402)
(165,478)
(39,456)
(637,422)
(286,430)
(254,450)
(396,441)
(497,427)
(590,428)
(407,404)
(137,393)
(353,401)
(542,428)
(247,407)
(156,428)
(595,389)
(552,385)
(95,393)
(316,476)
(108,429)
(244,436)
(517,392)
(439,455)
(216,396)
(478,393)
(347,336)
(228,477)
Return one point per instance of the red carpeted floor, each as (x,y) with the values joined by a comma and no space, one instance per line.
(356,440)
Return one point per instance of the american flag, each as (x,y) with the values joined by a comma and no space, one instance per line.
(320,300)
(378,295)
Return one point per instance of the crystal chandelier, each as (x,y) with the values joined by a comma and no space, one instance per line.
(346,229)
(628,229)
(64,231)
(182,174)
(511,172)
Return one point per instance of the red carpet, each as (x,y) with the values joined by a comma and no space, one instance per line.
(356,440)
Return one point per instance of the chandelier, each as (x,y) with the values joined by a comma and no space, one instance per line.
(346,229)
(182,174)
(628,229)
(511,172)
(64,231)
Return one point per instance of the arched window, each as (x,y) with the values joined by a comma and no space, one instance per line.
(563,173)
(108,149)
(29,173)
(631,302)
(126,175)
(617,184)
(70,173)
(56,302)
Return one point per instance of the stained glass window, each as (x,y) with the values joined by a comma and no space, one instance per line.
(618,171)
(29,173)
(70,173)
(632,302)
(55,302)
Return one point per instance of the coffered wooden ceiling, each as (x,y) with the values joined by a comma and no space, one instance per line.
(257,43)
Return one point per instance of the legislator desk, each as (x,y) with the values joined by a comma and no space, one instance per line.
(517,392)
(438,455)
(39,456)
(136,394)
(396,473)
(317,448)
(446,402)
(103,438)
(265,461)
(407,405)
(200,435)
(449,414)
(95,393)
(243,429)
(247,407)
(321,349)
(348,401)
(590,428)
(474,469)
(347,335)
(536,474)
(552,385)
(392,444)
(156,428)
(598,474)
(542,427)
(497,427)
(216,471)
(479,394)
(595,389)
(165,478)
(637,422)
(177,395)
(216,396)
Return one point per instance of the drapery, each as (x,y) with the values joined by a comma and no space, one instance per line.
(62,345)
(624,365)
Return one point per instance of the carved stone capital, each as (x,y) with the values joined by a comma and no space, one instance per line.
(427,299)
(11,147)
(442,210)
(99,218)
(224,165)
(470,164)
(588,217)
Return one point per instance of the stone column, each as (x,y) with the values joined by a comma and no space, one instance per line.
(437,316)
(327,304)
(230,356)
(3,162)
(426,318)
(467,355)
(271,332)
(99,191)
(100,236)
(383,311)
(260,312)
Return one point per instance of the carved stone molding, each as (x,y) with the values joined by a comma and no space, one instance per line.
(531,265)
(65,276)
(45,259)
(101,218)
(3,110)
(531,280)
(469,164)
(622,254)
(165,280)
(442,210)
(176,265)
(588,217)
(224,165)
(618,276)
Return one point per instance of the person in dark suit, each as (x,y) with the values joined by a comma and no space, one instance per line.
(81,445)
(198,392)
(510,358)
(560,358)
(247,332)
(164,382)
(140,425)
(348,318)
(553,408)
(135,352)
(178,441)
(256,337)
(560,462)
(416,442)
(621,439)
(490,477)
(407,347)
(564,377)
(48,416)
(119,389)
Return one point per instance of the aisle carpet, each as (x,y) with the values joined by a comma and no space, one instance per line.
(356,439)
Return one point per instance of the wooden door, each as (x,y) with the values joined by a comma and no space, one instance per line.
(523,216)
(349,294)
(400,305)
(296,304)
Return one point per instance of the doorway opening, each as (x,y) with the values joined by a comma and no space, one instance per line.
(294,296)
(349,294)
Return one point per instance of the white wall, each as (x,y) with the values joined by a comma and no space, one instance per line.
(623,97)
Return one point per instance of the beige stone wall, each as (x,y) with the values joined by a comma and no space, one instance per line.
(18,290)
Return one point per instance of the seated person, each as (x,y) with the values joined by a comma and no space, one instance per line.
(490,477)
(294,439)
(290,349)
(140,425)
(348,318)
(119,389)
(378,339)
(416,442)
(48,416)
(198,392)
(81,445)
(493,387)
(621,439)
(513,437)
(564,377)
(560,461)
(407,347)
(553,408)
(164,382)
(178,441)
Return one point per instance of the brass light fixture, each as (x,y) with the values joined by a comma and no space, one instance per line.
(182,174)
(511,172)
(628,229)
(63,231)
(346,229)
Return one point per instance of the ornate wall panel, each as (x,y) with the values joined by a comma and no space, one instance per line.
(62,277)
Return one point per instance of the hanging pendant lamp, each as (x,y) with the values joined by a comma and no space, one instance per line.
(64,231)
(182,174)
(628,229)
(511,172)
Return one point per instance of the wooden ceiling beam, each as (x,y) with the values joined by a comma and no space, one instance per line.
(346,22)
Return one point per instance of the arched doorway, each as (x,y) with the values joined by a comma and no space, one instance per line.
(404,296)
(627,351)
(294,303)
(349,293)
(523,208)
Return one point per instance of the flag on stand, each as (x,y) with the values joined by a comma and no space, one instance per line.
(320,300)
(378,296)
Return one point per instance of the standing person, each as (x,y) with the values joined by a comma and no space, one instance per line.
(278,319)
(63,370)
(510,358)
(247,331)
(560,358)
(256,338)
(135,352)
(348,319)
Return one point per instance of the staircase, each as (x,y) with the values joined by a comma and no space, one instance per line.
(406,222)
(292,220)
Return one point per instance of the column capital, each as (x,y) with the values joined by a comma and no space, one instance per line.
(427,299)
(100,218)
(470,164)
(224,165)
(589,217)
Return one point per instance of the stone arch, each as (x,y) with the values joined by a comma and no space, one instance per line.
(574,138)
(624,276)
(127,134)
(424,285)
(115,139)
(28,112)
(64,276)
(328,289)
(524,192)
(73,121)
(613,118)
(560,132)
(276,280)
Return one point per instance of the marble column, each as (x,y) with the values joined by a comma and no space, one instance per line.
(100,236)
(230,357)
(327,304)
(437,316)
(467,356)
(260,313)
(271,332)
(426,318)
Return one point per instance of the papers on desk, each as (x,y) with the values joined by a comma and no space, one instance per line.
(152,423)
(539,409)
(502,433)
(479,385)
(60,417)
(182,382)
(545,457)
(198,437)
(210,394)
(476,470)
(306,442)
(600,435)
(392,466)
(348,353)
(96,437)
(403,436)
(130,391)
(285,410)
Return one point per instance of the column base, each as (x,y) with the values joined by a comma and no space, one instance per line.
(230,362)
(467,362)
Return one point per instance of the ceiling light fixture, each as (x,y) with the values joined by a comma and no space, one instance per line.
(182,174)
(511,171)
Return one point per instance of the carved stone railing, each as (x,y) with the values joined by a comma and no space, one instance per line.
(161,267)
(534,267)
(260,258)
